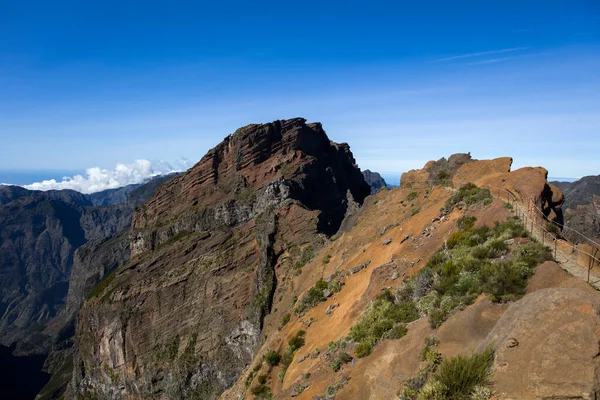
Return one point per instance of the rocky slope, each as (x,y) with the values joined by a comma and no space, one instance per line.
(210,253)
(374,180)
(388,247)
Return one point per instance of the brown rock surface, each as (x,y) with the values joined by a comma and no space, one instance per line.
(557,334)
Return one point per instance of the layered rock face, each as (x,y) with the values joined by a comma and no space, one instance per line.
(185,316)
(374,180)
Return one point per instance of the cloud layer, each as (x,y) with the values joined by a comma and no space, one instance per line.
(98,179)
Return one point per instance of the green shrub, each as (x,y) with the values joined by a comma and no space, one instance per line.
(294,344)
(363,349)
(261,392)
(469,264)
(414,211)
(285,319)
(384,318)
(339,360)
(470,194)
(272,358)
(466,222)
(262,379)
(411,196)
(316,294)
(297,340)
(458,376)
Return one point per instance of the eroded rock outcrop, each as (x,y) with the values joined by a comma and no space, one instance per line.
(185,316)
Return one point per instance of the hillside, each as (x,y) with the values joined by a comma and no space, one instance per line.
(265,271)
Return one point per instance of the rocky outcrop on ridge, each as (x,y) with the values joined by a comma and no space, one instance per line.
(374,180)
(185,316)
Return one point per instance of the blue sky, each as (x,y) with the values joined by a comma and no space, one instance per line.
(87,84)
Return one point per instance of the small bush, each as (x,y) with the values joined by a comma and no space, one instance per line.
(466,222)
(297,341)
(285,319)
(384,318)
(470,194)
(414,211)
(316,294)
(261,391)
(341,359)
(411,196)
(460,375)
(363,349)
(294,344)
(262,379)
(272,358)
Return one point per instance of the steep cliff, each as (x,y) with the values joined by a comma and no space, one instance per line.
(374,180)
(210,253)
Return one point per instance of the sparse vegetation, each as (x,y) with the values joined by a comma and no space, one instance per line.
(443,178)
(296,342)
(261,392)
(318,293)
(411,196)
(414,211)
(385,318)
(301,257)
(341,359)
(473,261)
(470,195)
(285,319)
(272,358)
(455,378)
(466,222)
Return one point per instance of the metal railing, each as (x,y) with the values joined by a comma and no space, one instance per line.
(537,223)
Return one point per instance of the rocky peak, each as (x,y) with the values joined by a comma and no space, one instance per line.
(257,167)
(374,180)
(211,250)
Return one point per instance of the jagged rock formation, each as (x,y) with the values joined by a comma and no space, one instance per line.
(185,316)
(582,205)
(374,180)
(437,172)
(527,183)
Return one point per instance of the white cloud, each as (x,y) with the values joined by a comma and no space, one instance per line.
(98,179)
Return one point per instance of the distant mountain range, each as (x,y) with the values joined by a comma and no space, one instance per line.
(52,251)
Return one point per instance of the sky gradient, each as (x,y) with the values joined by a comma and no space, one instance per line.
(95,84)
